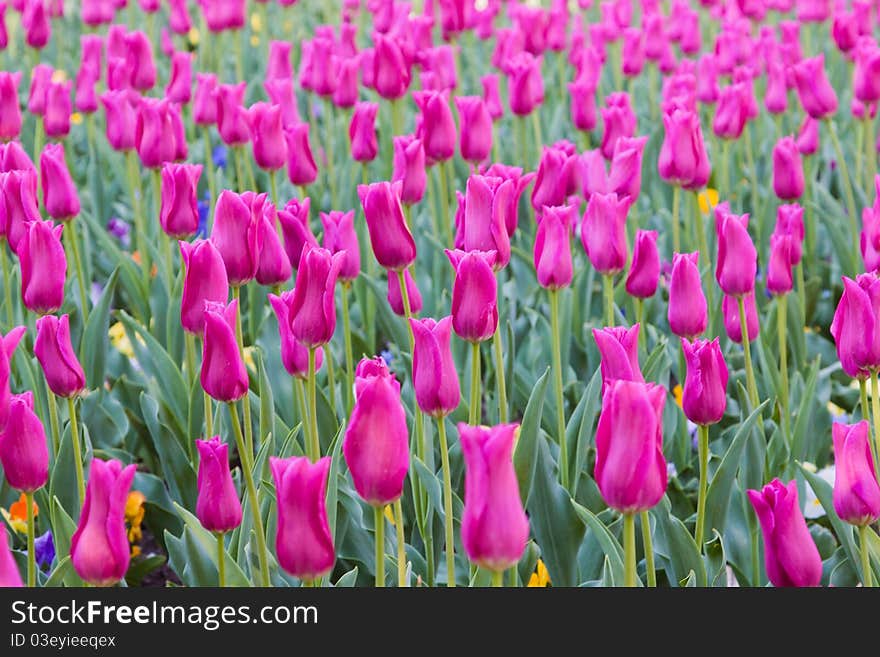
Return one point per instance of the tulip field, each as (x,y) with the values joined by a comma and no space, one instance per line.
(439,293)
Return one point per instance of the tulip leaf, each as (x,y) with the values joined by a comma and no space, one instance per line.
(63,528)
(347,580)
(674,544)
(206,543)
(590,407)
(95,339)
(63,485)
(60,574)
(333,477)
(431,484)
(526,451)
(610,547)
(803,424)
(176,468)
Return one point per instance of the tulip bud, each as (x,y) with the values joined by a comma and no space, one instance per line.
(346,93)
(178,17)
(301,167)
(224,375)
(304,543)
(437,128)
(618,119)
(854,326)
(99,547)
(476,128)
(474,295)
(57,358)
(59,191)
(278,64)
(8,343)
(619,349)
(687,303)
(866,86)
(204,281)
(362,132)
(552,252)
(683,159)
(341,236)
(603,232)
(139,55)
(584,113)
(494,526)
(487,202)
(856,492)
(23,451)
(630,469)
(390,68)
(43,267)
(222,15)
(10,114)
(814,90)
(274,268)
(704,397)
(232,117)
(235,234)
(434,377)
(313,308)
(409,168)
(390,237)
(644,272)
(36,24)
(790,555)
(267,135)
(625,178)
(294,220)
(790,221)
(9,575)
(19,207)
(56,118)
(155,136)
(179,212)
(376,445)
(491,96)
(732,324)
(205,101)
(41,78)
(280,92)
(217,505)
(525,84)
(395,299)
(179,89)
(551,182)
(779,278)
(737,256)
(788,170)
(294,355)
(121,118)
(776,96)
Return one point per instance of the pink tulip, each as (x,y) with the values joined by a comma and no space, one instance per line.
(687,303)
(362,132)
(23,452)
(178,17)
(525,84)
(235,234)
(644,272)
(59,191)
(437,127)
(520,182)
(43,267)
(294,354)
(278,64)
(340,236)
(204,281)
(391,70)
(313,309)
(619,350)
(56,118)
(476,128)
(155,136)
(8,344)
(552,251)
(395,298)
(223,375)
(732,325)
(486,205)
(434,376)
(704,397)
(179,213)
(603,232)
(232,117)
(625,177)
(10,114)
(267,135)
(120,109)
(814,90)
(856,491)
(683,159)
(205,100)
(36,24)
(492,96)
(179,89)
(19,207)
(301,167)
(274,268)
(737,257)
(474,295)
(9,575)
(790,221)
(779,277)
(294,219)
(618,120)
(584,113)
(217,504)
(391,239)
(854,325)
(347,92)
(551,185)
(139,57)
(41,78)
(409,168)
(731,113)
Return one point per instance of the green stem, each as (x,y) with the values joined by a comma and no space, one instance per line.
(863,398)
(189,341)
(239,338)
(77,452)
(649,549)
(802,289)
(557,381)
(273,188)
(629,550)
(867,576)
(444,203)
(237,153)
(848,192)
(701,231)
(236,46)
(209,417)
(703,449)
(447,503)
(300,403)
(499,375)
(870,150)
(38,144)
(401,544)
(7,285)
(31,554)
(746,343)
(781,330)
(73,243)
(221,561)
(725,166)
(676,208)
(497,579)
(138,214)
(52,402)
(379,525)
(475,413)
(608,293)
(640,317)
(331,178)
(314,445)
(209,167)
(251,489)
(536,128)
(753,186)
(331,378)
(520,122)
(875,408)
(349,358)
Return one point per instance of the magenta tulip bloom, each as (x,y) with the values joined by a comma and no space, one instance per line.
(274,268)
(376,446)
(278,64)
(618,119)
(603,232)
(487,202)
(437,126)
(475,123)
(346,93)
(520,181)
(808,136)
(494,526)
(23,451)
(224,375)
(10,113)
(99,548)
(179,212)
(139,58)
(644,272)
(59,191)
(687,303)
(362,132)
(120,108)
(179,89)
(788,170)
(232,118)
(43,267)
(790,555)
(13,158)
(205,281)
(267,136)
(304,544)
(41,78)
(625,177)
(294,220)
(790,221)
(390,68)
(683,159)
(280,92)
(56,118)
(313,309)
(217,505)
(236,235)
(474,295)
(552,252)
(525,87)
(391,239)
(856,491)
(36,24)
(294,355)
(704,397)
(619,349)
(205,101)
(8,344)
(395,298)
(866,86)
(854,326)
(776,96)
(551,183)
(737,256)
(409,168)
(492,96)
(9,575)
(178,17)
(155,135)
(731,113)
(732,324)
(630,469)
(814,90)
(779,277)
(340,236)
(18,208)
(434,377)
(57,358)
(301,167)
(584,113)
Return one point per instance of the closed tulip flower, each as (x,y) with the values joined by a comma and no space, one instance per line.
(814,90)
(362,132)
(391,239)
(808,137)
(492,96)
(434,377)
(9,575)
(409,168)
(584,113)
(56,119)
(732,325)
(304,544)
(790,221)
(437,130)
(474,295)
(23,451)
(732,112)
(179,212)
(235,234)
(297,232)
(205,100)
(13,157)
(603,232)
(340,236)
(120,111)
(10,113)
(395,299)
(737,256)
(217,505)
(376,445)
(179,89)
(390,68)
(687,303)
(139,55)
(475,123)
(346,93)
(36,24)
(294,354)
(267,136)
(224,375)
(8,344)
(779,277)
(790,555)
(155,136)
(788,170)
(618,119)
(630,469)
(43,267)
(619,349)
(683,159)
(520,182)
(57,358)
(644,271)
(280,92)
(866,86)
(222,15)
(179,19)
(486,206)
(313,309)
(525,84)
(274,268)
(232,118)
(552,252)
(776,96)
(204,281)
(856,492)
(494,526)
(854,326)
(41,78)
(18,208)
(551,185)
(704,396)
(59,191)
(278,64)
(301,167)
(625,177)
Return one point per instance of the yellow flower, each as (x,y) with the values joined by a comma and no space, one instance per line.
(677,393)
(255,41)
(193,36)
(540,578)
(17,514)
(249,358)
(59,75)
(76,118)
(389,514)
(288,27)
(134,515)
(256,22)
(708,199)
(119,340)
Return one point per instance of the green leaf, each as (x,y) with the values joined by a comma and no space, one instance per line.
(63,528)
(610,547)
(524,457)
(96,340)
(430,482)
(207,545)
(62,571)
(348,580)
(802,429)
(591,401)
(176,468)
(674,542)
